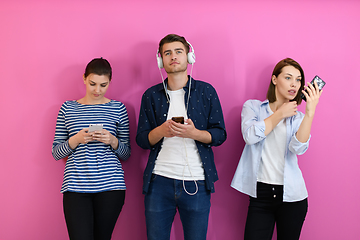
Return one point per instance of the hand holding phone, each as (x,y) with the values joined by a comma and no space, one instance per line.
(319,82)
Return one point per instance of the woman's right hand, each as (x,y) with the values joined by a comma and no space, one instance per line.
(284,111)
(83,136)
(288,109)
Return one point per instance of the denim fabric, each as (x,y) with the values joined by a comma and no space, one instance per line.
(165,196)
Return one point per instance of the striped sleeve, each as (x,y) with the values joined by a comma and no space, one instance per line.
(123,135)
(60,147)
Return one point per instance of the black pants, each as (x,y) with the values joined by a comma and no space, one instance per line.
(268,208)
(92,216)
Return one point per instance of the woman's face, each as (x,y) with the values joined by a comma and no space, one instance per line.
(287,83)
(96,86)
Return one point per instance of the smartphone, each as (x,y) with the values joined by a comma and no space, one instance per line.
(178,119)
(95,127)
(320,83)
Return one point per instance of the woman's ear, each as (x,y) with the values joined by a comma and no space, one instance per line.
(273,79)
(84,78)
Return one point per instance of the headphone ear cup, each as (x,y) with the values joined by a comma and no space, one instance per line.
(191,57)
(159,62)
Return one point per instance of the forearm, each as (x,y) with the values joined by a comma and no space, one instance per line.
(114,142)
(272,121)
(303,133)
(202,136)
(73,142)
(155,136)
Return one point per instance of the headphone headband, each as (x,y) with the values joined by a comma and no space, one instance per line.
(190,57)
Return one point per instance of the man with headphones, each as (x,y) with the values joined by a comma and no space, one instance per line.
(180,120)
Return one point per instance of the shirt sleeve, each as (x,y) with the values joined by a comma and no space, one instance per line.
(60,147)
(252,128)
(295,145)
(123,135)
(216,124)
(144,126)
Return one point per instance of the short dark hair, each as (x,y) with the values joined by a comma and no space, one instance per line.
(173,38)
(98,66)
(271,96)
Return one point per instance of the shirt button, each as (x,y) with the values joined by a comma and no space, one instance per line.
(274,196)
(273,189)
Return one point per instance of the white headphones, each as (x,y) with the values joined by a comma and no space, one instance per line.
(190,57)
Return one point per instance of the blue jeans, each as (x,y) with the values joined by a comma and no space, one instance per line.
(165,195)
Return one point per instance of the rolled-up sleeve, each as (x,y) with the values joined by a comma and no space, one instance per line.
(216,124)
(252,128)
(298,147)
(144,126)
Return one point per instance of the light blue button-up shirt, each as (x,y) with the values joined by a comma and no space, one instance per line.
(253,127)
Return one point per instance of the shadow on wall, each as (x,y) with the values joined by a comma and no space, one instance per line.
(129,88)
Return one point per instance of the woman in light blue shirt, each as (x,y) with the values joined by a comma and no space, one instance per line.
(274,133)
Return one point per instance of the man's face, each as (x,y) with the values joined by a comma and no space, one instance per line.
(174,57)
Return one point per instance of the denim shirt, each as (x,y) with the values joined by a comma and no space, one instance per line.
(253,127)
(204,110)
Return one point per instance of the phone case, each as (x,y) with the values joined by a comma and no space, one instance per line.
(320,83)
(95,127)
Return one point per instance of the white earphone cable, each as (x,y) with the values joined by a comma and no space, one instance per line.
(186,155)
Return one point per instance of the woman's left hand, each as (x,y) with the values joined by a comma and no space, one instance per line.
(103,136)
(312,95)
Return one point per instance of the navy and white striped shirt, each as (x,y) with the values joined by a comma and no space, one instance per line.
(95,166)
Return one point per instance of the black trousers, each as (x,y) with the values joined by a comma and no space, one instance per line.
(268,208)
(92,216)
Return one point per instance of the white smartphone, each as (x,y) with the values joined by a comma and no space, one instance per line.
(95,127)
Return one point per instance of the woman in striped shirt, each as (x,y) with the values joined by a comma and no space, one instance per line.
(93,187)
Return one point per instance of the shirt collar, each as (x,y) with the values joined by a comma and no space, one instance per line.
(265,102)
(186,87)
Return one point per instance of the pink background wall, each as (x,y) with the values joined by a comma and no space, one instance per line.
(45,45)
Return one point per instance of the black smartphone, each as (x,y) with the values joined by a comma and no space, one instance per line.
(319,82)
(178,119)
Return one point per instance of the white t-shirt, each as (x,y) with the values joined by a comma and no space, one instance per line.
(273,155)
(179,157)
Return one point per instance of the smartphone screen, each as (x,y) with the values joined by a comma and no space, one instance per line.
(95,127)
(178,119)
